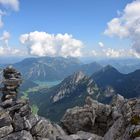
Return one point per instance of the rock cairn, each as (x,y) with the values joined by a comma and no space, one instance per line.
(17,122)
(12,80)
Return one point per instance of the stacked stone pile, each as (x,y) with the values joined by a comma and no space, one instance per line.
(12,80)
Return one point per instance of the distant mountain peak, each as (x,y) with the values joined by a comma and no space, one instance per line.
(77,84)
(109,67)
(54,68)
(107,71)
(78,76)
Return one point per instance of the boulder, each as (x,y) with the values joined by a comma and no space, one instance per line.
(45,129)
(78,118)
(5,130)
(86,136)
(21,135)
(18,122)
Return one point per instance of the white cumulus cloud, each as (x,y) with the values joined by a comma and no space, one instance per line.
(45,44)
(109,52)
(8,51)
(101,44)
(115,53)
(13,4)
(127,24)
(5,5)
(5,38)
(5,49)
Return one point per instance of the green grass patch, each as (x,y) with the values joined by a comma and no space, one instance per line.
(34,109)
(25,95)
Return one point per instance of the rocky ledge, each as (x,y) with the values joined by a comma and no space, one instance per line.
(95,121)
(118,121)
(18,123)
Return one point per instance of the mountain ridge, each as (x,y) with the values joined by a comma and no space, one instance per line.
(70,92)
(124,84)
(53,68)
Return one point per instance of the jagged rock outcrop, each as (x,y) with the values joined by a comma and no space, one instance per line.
(118,121)
(126,124)
(74,83)
(94,117)
(18,123)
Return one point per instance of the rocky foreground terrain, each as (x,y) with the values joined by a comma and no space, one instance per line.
(94,121)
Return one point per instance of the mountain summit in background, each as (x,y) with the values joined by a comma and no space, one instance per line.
(124,84)
(53,68)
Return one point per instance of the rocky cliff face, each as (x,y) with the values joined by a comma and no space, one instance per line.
(118,121)
(78,83)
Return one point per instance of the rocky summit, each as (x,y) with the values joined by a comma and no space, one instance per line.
(118,121)
(94,121)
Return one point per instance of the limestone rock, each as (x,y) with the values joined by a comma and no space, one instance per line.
(118,100)
(5,130)
(81,135)
(118,121)
(86,136)
(93,117)
(115,131)
(44,128)
(79,118)
(21,135)
(18,122)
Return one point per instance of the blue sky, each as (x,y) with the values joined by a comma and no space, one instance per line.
(85,20)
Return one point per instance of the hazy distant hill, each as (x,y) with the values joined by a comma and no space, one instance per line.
(53,68)
(122,65)
(127,85)
(107,76)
